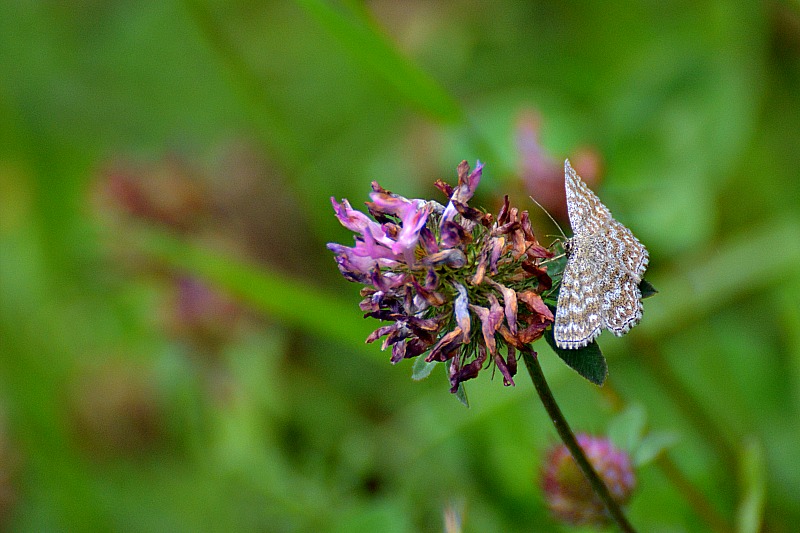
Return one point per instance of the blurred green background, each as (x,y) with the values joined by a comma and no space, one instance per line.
(179,353)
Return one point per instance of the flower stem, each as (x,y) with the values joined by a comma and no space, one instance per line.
(564,431)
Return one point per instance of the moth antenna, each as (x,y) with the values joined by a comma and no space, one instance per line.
(546,212)
(550,260)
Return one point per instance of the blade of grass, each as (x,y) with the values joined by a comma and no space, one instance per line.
(380,57)
(295,302)
(278,135)
(751,476)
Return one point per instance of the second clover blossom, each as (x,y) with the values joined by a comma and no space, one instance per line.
(568,494)
(455,284)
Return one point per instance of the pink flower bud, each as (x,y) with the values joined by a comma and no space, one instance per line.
(567,492)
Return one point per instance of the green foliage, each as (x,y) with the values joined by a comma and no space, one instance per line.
(587,361)
(267,412)
(647,289)
(381,59)
(422,369)
(750,510)
(628,430)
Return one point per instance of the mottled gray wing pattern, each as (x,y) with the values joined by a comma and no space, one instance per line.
(624,249)
(579,309)
(600,283)
(622,303)
(587,214)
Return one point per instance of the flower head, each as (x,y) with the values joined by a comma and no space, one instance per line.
(453,282)
(567,492)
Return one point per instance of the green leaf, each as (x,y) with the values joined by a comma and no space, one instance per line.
(751,473)
(461,394)
(380,58)
(652,445)
(422,368)
(626,429)
(647,289)
(588,361)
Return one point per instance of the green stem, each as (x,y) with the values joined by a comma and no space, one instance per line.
(564,431)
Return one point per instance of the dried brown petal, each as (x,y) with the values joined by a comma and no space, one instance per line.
(480,269)
(497,243)
(533,332)
(502,215)
(535,304)
(470,213)
(540,273)
(446,346)
(503,368)
(510,303)
(459,374)
(445,187)
(432,297)
(423,324)
(463,172)
(520,245)
(418,346)
(380,332)
(538,251)
(490,320)
(511,360)
(510,339)
(525,224)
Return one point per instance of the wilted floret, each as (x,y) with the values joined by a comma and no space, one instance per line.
(569,495)
(455,283)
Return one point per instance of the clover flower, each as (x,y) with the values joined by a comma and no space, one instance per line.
(568,494)
(454,283)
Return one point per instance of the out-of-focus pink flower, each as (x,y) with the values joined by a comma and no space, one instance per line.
(567,492)
(542,174)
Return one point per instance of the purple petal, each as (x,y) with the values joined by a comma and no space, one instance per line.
(462,311)
(465,190)
(428,241)
(401,333)
(351,219)
(452,234)
(350,261)
(386,281)
(413,222)
(391,204)
(399,351)
(369,247)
